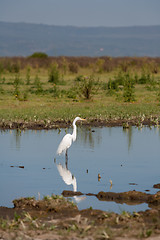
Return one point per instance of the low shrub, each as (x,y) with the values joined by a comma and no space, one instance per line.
(128,91)
(39,55)
(53,75)
(38,85)
(86,86)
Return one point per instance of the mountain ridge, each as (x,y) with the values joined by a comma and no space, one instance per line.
(22,39)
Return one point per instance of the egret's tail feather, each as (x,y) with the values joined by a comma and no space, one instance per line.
(60,150)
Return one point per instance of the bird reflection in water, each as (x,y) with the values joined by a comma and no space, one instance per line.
(69,178)
(64,172)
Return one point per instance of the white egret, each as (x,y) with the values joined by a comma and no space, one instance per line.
(68,138)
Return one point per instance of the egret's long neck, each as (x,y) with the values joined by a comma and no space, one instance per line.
(74,134)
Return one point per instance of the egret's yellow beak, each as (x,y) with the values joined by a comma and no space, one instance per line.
(83,119)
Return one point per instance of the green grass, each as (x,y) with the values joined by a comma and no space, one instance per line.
(64,100)
(42,108)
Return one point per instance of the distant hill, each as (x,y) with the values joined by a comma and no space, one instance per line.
(22,39)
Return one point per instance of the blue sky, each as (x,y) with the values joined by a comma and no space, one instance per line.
(82,12)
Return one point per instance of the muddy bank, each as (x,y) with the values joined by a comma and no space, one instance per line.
(54,217)
(130,197)
(156,185)
(42,124)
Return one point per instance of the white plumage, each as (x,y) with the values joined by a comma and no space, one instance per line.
(67,177)
(64,144)
(68,138)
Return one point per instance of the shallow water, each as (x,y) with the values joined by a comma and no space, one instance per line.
(129,158)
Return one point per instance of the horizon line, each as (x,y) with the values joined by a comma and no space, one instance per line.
(100,26)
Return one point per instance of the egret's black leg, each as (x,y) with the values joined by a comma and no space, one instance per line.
(67,158)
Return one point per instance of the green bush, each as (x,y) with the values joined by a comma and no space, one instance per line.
(128,91)
(144,78)
(38,84)
(151,84)
(86,86)
(53,75)
(71,93)
(119,78)
(39,55)
(112,85)
(79,78)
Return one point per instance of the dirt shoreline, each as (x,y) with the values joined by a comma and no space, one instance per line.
(41,124)
(130,197)
(54,217)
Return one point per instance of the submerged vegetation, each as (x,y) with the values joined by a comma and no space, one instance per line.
(41,88)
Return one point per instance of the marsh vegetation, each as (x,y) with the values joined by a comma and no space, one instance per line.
(42,88)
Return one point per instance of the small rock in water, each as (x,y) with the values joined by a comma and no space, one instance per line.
(17,166)
(156,185)
(21,166)
(99,177)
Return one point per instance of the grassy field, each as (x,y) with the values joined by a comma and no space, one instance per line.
(62,88)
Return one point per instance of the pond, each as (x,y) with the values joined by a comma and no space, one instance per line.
(124,159)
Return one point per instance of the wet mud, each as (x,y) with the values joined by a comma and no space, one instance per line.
(156,185)
(55,217)
(39,125)
(130,197)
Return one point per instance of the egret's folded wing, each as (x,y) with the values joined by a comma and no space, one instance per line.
(64,144)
